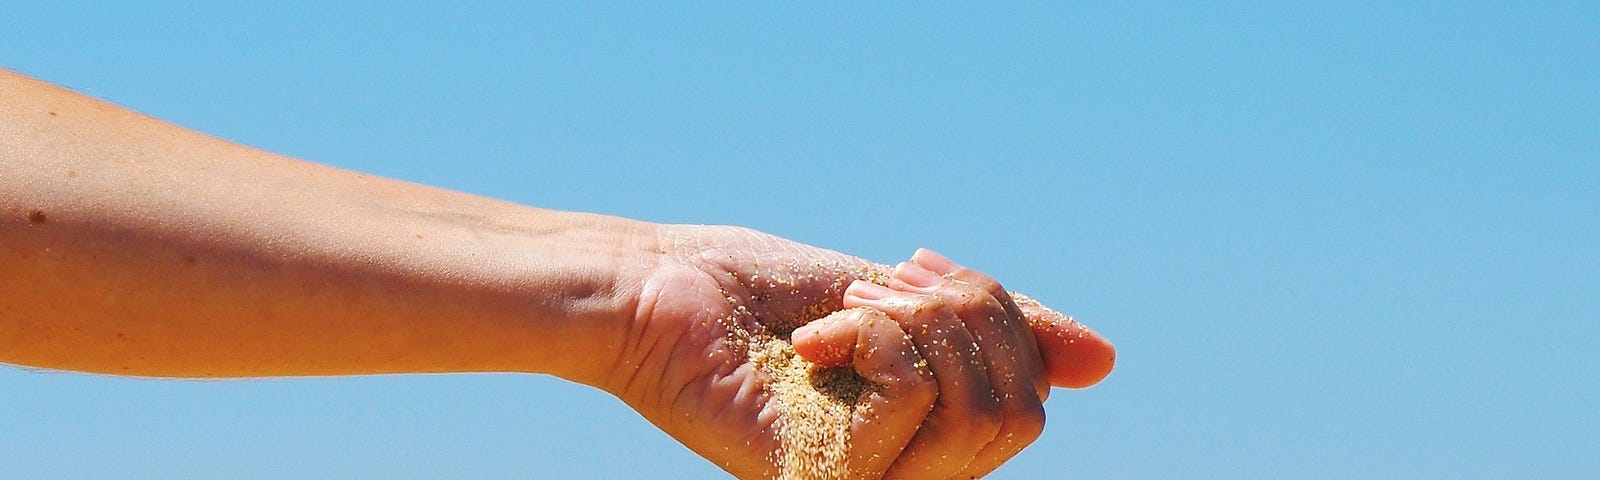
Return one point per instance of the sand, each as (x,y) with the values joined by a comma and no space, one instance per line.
(818,404)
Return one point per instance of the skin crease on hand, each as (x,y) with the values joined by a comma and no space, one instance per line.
(136,247)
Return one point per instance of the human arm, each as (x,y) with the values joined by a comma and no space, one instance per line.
(131,246)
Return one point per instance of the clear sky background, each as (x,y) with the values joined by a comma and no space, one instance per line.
(1329,242)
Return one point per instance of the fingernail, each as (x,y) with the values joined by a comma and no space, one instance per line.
(867,290)
(916,276)
(934,261)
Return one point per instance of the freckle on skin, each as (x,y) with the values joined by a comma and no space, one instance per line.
(36,217)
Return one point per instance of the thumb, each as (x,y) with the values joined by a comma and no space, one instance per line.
(888,415)
(1074,356)
(829,341)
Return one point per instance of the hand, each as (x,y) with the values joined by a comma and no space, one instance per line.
(955,372)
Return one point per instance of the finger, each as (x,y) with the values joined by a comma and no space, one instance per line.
(1014,372)
(1074,356)
(889,415)
(965,415)
(828,341)
(1024,337)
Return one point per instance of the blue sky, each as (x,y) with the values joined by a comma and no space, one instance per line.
(1329,241)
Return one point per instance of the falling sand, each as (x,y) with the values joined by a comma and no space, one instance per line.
(818,404)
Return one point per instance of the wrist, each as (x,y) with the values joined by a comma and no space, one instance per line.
(584,273)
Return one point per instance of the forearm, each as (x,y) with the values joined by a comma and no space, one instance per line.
(132,246)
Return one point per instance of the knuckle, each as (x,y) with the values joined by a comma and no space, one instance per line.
(921,389)
(986,422)
(981,281)
(927,302)
(1026,423)
(963,291)
(983,415)
(969,301)
(920,305)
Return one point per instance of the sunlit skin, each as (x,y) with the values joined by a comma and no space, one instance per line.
(130,246)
